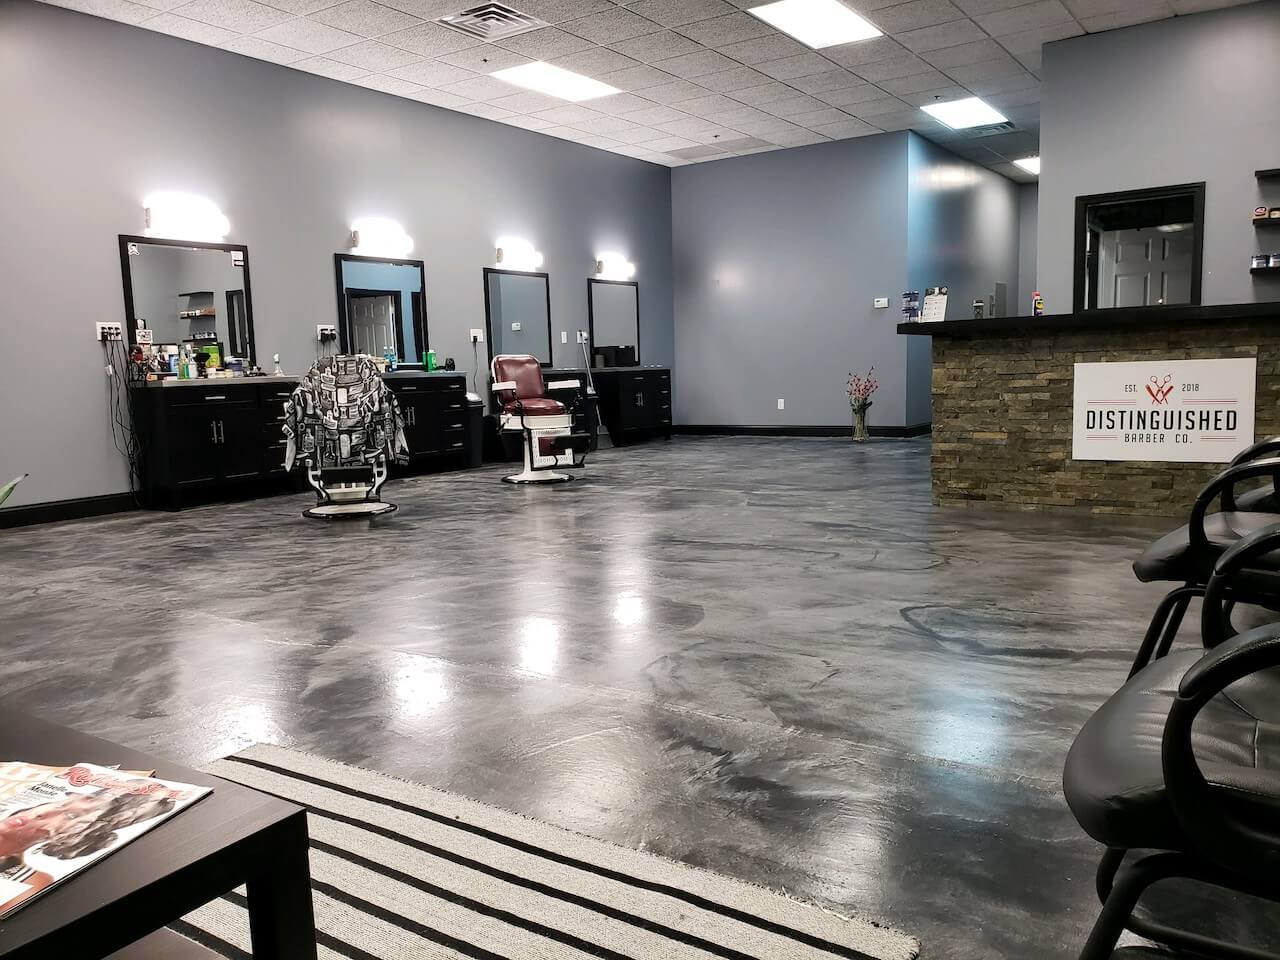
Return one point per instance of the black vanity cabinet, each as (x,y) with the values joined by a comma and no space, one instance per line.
(583,405)
(436,416)
(635,402)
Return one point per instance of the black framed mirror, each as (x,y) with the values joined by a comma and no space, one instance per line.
(1139,248)
(382,307)
(187,292)
(613,322)
(517,313)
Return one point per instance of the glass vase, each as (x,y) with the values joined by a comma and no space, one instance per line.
(860,434)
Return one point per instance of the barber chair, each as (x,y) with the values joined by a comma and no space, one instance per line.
(545,425)
(1186,555)
(1170,801)
(343,424)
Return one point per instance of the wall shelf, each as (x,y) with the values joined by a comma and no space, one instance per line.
(1271,174)
(1272,271)
(1268,222)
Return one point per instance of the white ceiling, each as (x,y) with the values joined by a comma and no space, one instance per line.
(702,80)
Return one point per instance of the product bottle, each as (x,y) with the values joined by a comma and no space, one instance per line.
(1037,304)
(431,359)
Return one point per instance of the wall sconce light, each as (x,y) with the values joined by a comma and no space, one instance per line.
(516,253)
(184,216)
(614,266)
(380,237)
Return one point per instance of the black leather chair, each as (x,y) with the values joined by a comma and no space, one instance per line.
(1186,555)
(1178,773)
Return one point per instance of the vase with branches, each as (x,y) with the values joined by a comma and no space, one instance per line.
(860,387)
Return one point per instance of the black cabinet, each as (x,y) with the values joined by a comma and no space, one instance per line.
(583,404)
(436,417)
(635,403)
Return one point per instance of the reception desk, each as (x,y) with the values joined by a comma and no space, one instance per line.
(1004,396)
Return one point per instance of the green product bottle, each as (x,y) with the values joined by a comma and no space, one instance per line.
(429,359)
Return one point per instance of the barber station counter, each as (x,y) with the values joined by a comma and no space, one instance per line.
(1004,393)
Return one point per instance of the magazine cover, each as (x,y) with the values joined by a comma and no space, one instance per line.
(56,821)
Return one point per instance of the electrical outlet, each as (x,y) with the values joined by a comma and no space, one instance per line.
(477,335)
(782,404)
(516,327)
(881,303)
(108,331)
(564,336)
(326,332)
(582,336)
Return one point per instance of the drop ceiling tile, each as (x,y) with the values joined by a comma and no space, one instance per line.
(688,127)
(528,123)
(763,49)
(1120,18)
(915,14)
(120,10)
(656,46)
(844,129)
(365,18)
(430,40)
(674,13)
(378,81)
(1021,81)
(610,26)
(1043,13)
(716,135)
(909,120)
(700,152)
(764,93)
(594,140)
(422,9)
(767,128)
(570,113)
(91,6)
(975,7)
(934,94)
(527,101)
(330,68)
(1005,66)
(1032,61)
(375,56)
(620,103)
(818,118)
(834,78)
(485,58)
(595,61)
(667,142)
(242,16)
(721,31)
(800,138)
(963,53)
(693,65)
(787,107)
(788,68)
(478,87)
(1030,41)
(431,73)
(942,35)
(673,92)
(609,126)
(1183,7)
(915,83)
(903,66)
(262,49)
(636,78)
(555,11)
(862,92)
(309,36)
(710,104)
(437,98)
(739,78)
(853,55)
(486,110)
(745,145)
(1084,9)
(657,114)
(177,26)
(637,134)
(881,107)
(545,44)
(740,113)
(1008,102)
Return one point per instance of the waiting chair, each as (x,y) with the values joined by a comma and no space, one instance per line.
(545,425)
(1171,801)
(1187,555)
(343,423)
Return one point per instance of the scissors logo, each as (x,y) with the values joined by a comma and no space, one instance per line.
(1159,389)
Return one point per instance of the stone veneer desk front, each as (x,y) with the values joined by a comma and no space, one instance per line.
(1002,398)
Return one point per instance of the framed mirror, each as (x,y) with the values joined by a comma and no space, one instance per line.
(613,322)
(517,313)
(189,293)
(1139,248)
(382,307)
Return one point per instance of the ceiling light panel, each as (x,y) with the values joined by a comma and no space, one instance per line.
(962,114)
(1029,164)
(816,23)
(555,81)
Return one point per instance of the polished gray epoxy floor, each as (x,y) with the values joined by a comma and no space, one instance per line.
(773,658)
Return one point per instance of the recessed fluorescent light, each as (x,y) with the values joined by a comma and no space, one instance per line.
(970,112)
(555,81)
(1029,164)
(816,23)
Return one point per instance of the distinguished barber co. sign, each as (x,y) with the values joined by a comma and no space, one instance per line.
(1190,411)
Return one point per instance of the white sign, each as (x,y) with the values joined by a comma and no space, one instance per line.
(1186,411)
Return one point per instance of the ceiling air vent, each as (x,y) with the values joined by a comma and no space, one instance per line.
(491,21)
(990,130)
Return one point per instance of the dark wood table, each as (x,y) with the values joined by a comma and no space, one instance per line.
(119,906)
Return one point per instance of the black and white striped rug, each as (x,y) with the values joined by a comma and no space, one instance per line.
(403,872)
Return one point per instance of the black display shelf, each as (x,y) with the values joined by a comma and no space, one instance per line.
(1271,174)
(1267,222)
(1271,271)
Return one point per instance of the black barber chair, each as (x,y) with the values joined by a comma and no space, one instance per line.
(1187,554)
(1171,801)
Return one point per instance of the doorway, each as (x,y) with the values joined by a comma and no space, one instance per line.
(375,318)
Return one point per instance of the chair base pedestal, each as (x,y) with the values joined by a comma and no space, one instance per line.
(349,511)
(537,476)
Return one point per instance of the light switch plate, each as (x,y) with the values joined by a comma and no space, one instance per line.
(782,404)
(515,327)
(477,335)
(881,303)
(564,336)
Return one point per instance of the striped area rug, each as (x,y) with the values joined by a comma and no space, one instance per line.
(403,872)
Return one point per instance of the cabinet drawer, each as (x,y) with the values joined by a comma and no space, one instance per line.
(214,395)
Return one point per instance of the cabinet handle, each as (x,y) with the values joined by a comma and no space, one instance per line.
(455,445)
(408,389)
(279,394)
(639,399)
(222,432)
(218,396)
(213,427)
(455,426)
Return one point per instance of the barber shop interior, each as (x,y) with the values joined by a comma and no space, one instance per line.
(640,480)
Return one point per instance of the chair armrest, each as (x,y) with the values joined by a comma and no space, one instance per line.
(564,385)
(1226,480)
(1220,831)
(1215,609)
(504,385)
(1263,448)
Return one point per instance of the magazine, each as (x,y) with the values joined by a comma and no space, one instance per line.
(56,821)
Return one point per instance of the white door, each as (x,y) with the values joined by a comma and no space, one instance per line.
(1143,267)
(373,324)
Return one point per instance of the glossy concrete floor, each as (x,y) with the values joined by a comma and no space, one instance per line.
(773,658)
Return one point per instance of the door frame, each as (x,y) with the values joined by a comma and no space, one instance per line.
(420,327)
(1079,261)
(363,293)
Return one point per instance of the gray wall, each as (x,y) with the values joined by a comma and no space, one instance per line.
(962,232)
(778,258)
(1028,225)
(1176,101)
(92,111)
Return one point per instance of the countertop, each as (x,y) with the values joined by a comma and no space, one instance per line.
(1094,320)
(232,381)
